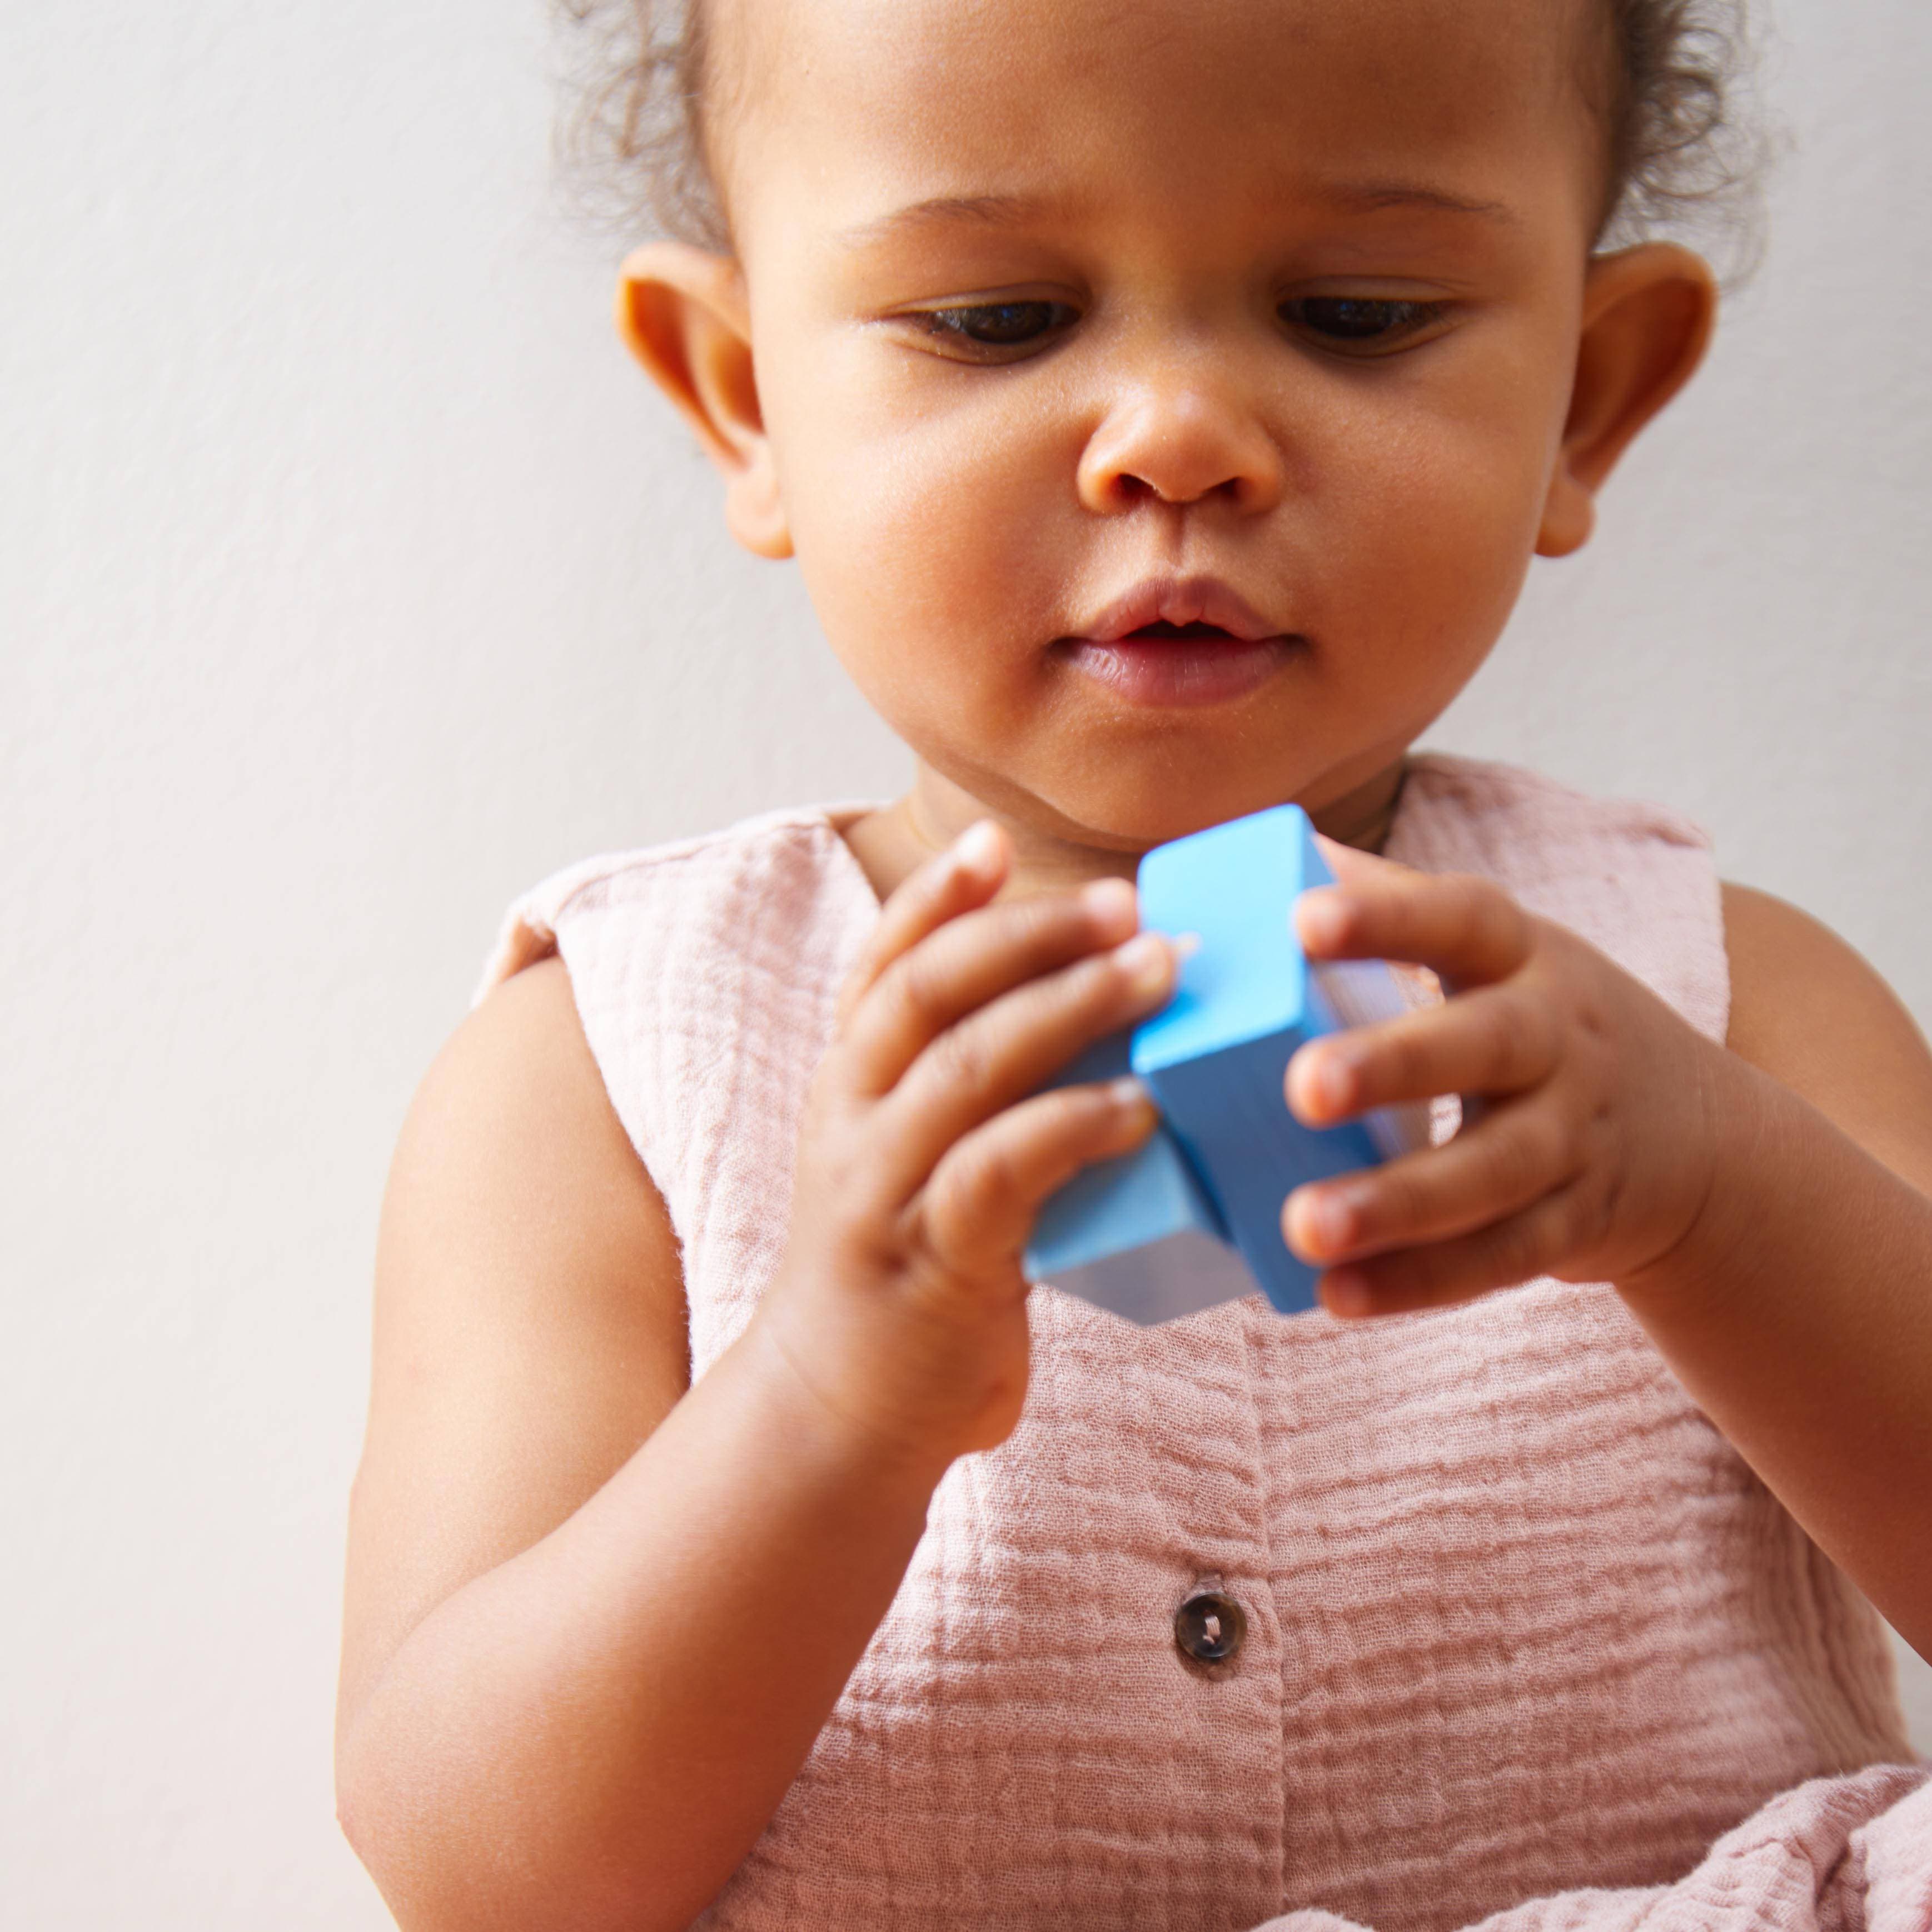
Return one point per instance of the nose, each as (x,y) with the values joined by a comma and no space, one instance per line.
(1180,440)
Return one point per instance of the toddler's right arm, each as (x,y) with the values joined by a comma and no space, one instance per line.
(594,1619)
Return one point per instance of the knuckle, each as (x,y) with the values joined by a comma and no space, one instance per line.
(926,1232)
(1499,920)
(968,1211)
(1493,920)
(1520,1159)
(981,1177)
(961,1059)
(943,1214)
(1425,1274)
(1493,1046)
(1594,1024)
(1402,1201)
(1515,1032)
(1094,980)
(1554,1148)
(1057,999)
(919,979)
(1536,1032)
(1046,918)
(1404,1060)
(930,883)
(1067,1116)
(1035,932)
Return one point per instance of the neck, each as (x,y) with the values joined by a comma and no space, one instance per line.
(893,843)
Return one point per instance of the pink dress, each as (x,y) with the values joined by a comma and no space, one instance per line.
(1521,1626)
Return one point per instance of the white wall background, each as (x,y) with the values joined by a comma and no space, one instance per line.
(349,581)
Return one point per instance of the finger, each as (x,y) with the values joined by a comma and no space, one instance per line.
(1495,1040)
(966,874)
(1350,863)
(1516,1156)
(968,960)
(979,1206)
(1003,1052)
(1504,1255)
(1469,929)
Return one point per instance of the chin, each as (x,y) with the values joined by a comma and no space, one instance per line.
(1149,810)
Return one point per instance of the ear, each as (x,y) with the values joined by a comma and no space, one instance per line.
(1647,315)
(685,314)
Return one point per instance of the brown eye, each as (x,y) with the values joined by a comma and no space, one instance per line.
(1013,325)
(1358,322)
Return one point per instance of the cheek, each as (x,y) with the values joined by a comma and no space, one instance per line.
(943,521)
(1434,500)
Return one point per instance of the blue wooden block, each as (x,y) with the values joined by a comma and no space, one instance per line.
(1139,1235)
(1195,1217)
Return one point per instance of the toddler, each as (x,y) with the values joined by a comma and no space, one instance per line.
(1164,400)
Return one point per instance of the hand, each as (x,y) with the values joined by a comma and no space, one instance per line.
(1589,1151)
(926,1151)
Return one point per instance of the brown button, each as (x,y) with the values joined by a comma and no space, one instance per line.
(1211,1626)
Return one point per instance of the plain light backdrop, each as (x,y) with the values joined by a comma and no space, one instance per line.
(350,580)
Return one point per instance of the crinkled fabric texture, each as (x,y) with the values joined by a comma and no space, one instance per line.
(1521,1625)
(1840,1854)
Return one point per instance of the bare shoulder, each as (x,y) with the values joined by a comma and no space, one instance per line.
(529,1322)
(1811,1012)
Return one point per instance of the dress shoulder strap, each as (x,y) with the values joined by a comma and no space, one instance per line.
(705,974)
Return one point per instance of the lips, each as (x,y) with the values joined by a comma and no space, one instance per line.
(1180,642)
(1179,604)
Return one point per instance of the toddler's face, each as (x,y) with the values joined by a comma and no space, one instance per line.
(1164,399)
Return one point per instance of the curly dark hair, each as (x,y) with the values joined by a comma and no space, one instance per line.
(1683,161)
(1687,155)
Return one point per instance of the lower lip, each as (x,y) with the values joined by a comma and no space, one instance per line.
(1179,671)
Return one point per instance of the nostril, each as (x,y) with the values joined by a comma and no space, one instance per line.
(1125,489)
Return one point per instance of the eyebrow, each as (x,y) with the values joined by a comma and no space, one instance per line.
(1371,197)
(1012,211)
(987,210)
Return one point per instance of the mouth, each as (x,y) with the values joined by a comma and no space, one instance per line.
(1193,642)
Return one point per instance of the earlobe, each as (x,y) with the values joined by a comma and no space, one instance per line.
(683,313)
(1648,313)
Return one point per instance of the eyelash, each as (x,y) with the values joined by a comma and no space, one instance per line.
(1333,320)
(954,326)
(1016,329)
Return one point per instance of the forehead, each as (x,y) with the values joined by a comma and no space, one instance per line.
(874,104)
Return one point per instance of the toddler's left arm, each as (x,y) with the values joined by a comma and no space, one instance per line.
(1765,1208)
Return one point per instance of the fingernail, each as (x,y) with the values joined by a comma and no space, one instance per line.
(1110,903)
(1331,1220)
(1333,1080)
(1145,960)
(1129,1095)
(1317,1222)
(1317,918)
(1345,1293)
(977,848)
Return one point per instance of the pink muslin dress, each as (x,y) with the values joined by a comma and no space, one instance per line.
(1521,1625)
